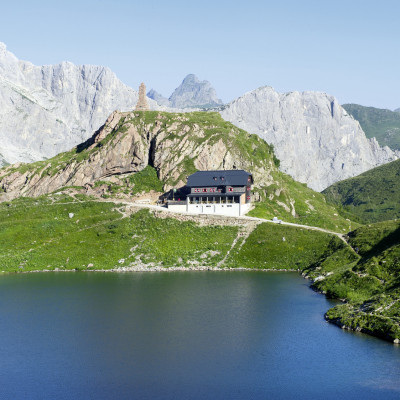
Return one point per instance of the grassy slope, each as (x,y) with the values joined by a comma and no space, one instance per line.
(310,207)
(145,181)
(372,196)
(384,125)
(282,247)
(370,284)
(39,234)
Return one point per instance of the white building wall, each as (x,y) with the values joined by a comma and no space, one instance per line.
(177,207)
(245,208)
(233,210)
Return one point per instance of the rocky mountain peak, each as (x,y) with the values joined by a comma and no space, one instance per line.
(194,93)
(191,79)
(191,93)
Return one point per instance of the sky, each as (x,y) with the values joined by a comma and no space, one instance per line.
(349,49)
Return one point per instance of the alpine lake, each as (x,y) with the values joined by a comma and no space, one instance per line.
(182,335)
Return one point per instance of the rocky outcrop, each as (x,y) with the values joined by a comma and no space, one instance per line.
(317,142)
(174,144)
(48,109)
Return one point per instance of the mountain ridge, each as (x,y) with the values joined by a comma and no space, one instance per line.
(49,109)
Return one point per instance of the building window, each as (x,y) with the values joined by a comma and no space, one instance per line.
(205,190)
(230,189)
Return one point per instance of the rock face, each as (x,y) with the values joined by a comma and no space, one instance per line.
(48,109)
(176,145)
(192,93)
(317,142)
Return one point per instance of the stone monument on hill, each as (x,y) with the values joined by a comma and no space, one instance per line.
(142,102)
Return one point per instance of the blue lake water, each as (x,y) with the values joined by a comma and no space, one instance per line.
(182,335)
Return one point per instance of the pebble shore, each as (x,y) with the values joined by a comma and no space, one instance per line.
(192,268)
(163,269)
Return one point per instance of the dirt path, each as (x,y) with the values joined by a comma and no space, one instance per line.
(243,233)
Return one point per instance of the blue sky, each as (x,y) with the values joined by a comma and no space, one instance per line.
(346,48)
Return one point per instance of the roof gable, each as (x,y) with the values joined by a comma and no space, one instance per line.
(235,177)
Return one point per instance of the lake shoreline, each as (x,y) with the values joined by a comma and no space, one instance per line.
(159,269)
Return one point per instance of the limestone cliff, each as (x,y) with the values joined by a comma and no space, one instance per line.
(317,142)
(48,109)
